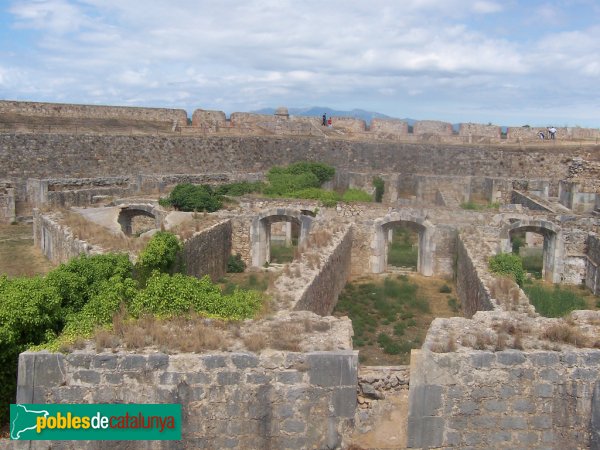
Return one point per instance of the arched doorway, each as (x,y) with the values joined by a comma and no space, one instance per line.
(384,234)
(552,246)
(261,232)
(138,218)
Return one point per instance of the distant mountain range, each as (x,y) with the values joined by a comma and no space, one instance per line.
(318,111)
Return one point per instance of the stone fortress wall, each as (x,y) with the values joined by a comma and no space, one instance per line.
(465,398)
(63,110)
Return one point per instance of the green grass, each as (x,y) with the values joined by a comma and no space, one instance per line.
(281,253)
(402,251)
(533,263)
(553,302)
(392,303)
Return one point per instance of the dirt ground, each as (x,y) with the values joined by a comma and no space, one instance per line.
(18,256)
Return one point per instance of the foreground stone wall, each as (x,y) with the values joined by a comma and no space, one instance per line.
(207,251)
(432,127)
(210,121)
(505,399)
(392,126)
(39,109)
(279,400)
(477,129)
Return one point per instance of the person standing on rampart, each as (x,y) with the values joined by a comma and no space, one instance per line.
(552,132)
(324,120)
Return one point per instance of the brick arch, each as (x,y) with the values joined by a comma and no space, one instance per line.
(553,244)
(260,231)
(380,243)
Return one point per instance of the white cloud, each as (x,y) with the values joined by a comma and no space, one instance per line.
(229,55)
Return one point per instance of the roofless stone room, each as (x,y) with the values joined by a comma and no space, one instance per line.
(292,285)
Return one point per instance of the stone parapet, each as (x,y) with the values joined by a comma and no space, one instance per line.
(39,109)
(509,398)
(275,399)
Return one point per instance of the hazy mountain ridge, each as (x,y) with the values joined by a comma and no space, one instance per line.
(318,111)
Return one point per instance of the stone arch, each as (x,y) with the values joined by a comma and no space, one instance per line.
(128,212)
(553,244)
(260,231)
(420,224)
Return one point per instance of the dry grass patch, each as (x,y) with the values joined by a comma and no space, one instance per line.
(93,233)
(566,333)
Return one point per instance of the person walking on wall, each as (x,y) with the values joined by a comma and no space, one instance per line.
(329,123)
(541,135)
(324,120)
(552,132)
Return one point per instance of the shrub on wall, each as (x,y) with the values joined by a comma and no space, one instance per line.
(356,195)
(191,197)
(508,264)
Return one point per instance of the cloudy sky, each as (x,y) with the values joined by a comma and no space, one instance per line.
(506,62)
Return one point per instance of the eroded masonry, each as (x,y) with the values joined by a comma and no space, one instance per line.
(496,378)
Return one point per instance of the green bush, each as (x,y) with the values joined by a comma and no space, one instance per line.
(235,264)
(167,296)
(161,253)
(508,264)
(379,189)
(191,197)
(322,171)
(356,195)
(282,184)
(240,188)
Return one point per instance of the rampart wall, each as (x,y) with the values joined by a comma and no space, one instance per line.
(504,399)
(477,129)
(113,156)
(279,400)
(391,126)
(39,109)
(207,251)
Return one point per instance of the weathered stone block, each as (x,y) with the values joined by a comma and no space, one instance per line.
(592,358)
(569,359)
(332,369)
(541,422)
(513,423)
(499,437)
(293,426)
(132,363)
(595,419)
(542,359)
(544,390)
(482,359)
(290,377)
(243,361)
(585,374)
(344,401)
(113,377)
(468,408)
(227,378)
(523,405)
(87,376)
(214,361)
(104,361)
(79,360)
(510,357)
(197,378)
(527,437)
(157,361)
(473,438)
(494,405)
(258,378)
